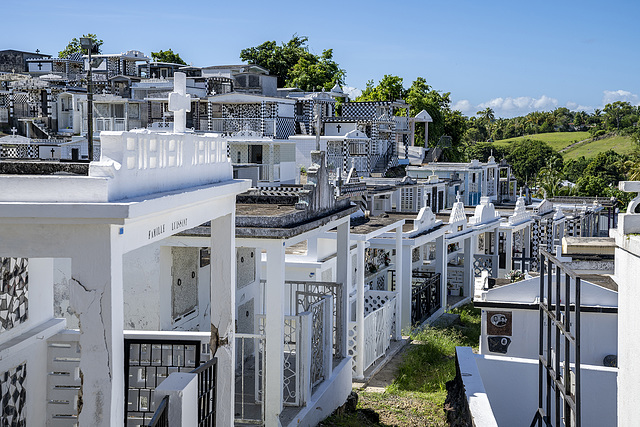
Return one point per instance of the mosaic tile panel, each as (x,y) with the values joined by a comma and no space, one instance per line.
(14,397)
(14,301)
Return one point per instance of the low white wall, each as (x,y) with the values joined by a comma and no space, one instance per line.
(331,394)
(512,386)
(599,335)
(30,348)
(627,273)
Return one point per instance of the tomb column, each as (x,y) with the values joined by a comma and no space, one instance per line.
(96,296)
(441,268)
(468,277)
(508,248)
(403,272)
(343,276)
(360,247)
(223,292)
(274,331)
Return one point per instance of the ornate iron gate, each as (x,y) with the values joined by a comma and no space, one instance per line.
(425,296)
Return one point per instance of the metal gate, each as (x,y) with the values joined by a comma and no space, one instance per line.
(558,378)
(147,363)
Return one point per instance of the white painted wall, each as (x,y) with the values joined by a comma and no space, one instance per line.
(142,295)
(627,267)
(512,387)
(147,292)
(598,337)
(289,172)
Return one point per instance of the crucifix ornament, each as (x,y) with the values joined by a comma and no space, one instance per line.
(179,102)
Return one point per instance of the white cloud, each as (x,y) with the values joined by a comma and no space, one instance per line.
(516,106)
(574,106)
(610,96)
(352,92)
(465,107)
(511,107)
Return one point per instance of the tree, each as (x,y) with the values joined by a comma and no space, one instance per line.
(574,168)
(528,156)
(482,150)
(74,46)
(311,74)
(591,186)
(549,178)
(167,56)
(615,112)
(608,165)
(389,89)
(295,65)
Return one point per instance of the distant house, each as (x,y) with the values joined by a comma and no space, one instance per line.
(16,60)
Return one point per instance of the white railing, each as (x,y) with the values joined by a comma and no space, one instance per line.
(308,350)
(358,148)
(276,172)
(150,161)
(378,328)
(230,125)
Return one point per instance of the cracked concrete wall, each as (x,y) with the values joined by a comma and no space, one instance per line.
(61,306)
(223,279)
(142,288)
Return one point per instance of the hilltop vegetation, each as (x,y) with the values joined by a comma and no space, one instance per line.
(544,148)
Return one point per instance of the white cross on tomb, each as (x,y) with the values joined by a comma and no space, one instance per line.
(179,102)
(14,130)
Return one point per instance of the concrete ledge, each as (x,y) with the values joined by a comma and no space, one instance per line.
(41,332)
(479,406)
(331,394)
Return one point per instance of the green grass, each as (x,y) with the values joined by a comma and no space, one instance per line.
(619,144)
(429,365)
(417,395)
(557,140)
(561,140)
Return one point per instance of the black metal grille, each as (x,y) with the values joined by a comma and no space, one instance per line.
(161,416)
(207,378)
(556,379)
(147,363)
(425,296)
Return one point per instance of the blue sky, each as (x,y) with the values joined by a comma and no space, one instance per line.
(513,56)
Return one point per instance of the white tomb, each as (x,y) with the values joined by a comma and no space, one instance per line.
(147,186)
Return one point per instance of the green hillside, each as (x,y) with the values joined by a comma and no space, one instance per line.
(557,140)
(619,144)
(561,140)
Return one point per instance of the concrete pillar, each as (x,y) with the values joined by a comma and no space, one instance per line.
(405,297)
(274,331)
(508,247)
(403,285)
(96,295)
(165,265)
(182,389)
(441,267)
(360,246)
(468,277)
(343,275)
(223,294)
(526,250)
